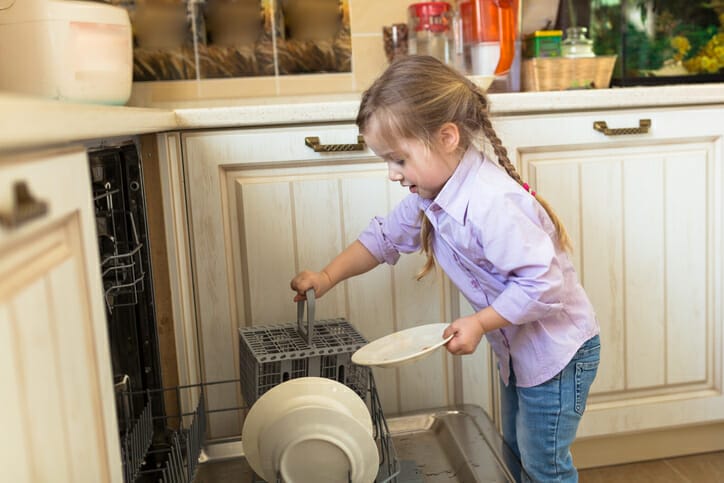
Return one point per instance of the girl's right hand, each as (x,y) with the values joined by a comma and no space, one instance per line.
(319,281)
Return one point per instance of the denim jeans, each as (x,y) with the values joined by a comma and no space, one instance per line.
(540,422)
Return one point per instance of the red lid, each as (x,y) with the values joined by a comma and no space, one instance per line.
(425,11)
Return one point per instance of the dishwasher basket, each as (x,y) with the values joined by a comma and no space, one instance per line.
(270,355)
(174,455)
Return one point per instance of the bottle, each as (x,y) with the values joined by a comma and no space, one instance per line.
(429,30)
(576,43)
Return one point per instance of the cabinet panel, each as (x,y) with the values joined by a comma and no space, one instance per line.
(643,234)
(319,223)
(267,209)
(649,219)
(15,453)
(601,248)
(53,332)
(687,251)
(43,398)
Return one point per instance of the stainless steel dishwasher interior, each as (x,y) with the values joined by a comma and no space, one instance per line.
(458,444)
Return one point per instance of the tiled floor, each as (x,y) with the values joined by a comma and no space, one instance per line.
(703,468)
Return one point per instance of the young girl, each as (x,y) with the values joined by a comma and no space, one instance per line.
(497,240)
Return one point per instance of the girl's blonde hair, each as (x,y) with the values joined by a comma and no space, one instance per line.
(413,98)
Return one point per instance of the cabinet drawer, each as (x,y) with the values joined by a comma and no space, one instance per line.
(535,133)
(277,145)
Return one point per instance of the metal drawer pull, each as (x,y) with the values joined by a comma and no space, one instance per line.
(25,207)
(644,125)
(313,142)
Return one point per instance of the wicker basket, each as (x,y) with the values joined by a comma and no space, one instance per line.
(562,73)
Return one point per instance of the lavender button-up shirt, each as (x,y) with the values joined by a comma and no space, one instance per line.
(495,242)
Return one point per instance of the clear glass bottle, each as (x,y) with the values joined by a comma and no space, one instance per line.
(576,43)
(429,30)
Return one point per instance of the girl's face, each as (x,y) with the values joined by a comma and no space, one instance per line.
(409,162)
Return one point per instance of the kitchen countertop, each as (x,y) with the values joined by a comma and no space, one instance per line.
(27,122)
(293,110)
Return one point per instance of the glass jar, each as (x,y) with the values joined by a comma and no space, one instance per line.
(430,30)
(576,43)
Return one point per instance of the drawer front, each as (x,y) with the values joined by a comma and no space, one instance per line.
(277,145)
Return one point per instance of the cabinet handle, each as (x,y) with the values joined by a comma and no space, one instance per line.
(313,142)
(644,125)
(25,207)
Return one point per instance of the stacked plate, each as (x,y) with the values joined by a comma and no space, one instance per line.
(311,430)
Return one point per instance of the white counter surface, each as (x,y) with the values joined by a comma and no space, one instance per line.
(292,110)
(27,122)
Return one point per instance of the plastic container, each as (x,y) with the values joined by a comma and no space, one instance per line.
(430,31)
(543,43)
(68,50)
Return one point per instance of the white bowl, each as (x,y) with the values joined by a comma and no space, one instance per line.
(304,392)
(318,445)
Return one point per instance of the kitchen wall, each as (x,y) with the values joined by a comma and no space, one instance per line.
(368,60)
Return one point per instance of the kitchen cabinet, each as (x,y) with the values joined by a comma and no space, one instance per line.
(263,206)
(645,213)
(58,415)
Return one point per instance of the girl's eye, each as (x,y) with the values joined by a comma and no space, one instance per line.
(400,162)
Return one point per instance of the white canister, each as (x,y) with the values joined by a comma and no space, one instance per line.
(67,50)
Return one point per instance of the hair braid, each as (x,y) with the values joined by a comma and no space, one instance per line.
(502,154)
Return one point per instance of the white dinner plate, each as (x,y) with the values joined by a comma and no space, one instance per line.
(318,445)
(402,347)
(483,81)
(293,394)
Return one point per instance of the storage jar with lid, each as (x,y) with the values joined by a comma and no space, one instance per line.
(430,29)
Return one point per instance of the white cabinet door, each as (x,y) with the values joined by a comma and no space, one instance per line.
(645,214)
(58,415)
(264,206)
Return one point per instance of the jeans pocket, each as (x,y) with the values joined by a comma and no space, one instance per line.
(585,374)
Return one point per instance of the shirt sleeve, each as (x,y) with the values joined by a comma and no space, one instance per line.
(517,244)
(399,232)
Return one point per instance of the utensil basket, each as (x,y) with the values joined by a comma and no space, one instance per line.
(272,354)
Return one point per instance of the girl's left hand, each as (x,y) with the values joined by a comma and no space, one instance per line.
(468,333)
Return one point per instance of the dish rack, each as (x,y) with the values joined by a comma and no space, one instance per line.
(162,446)
(173,454)
(121,264)
(270,355)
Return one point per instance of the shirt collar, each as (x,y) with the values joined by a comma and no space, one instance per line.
(455,195)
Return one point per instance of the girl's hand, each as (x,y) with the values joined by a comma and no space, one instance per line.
(319,281)
(468,332)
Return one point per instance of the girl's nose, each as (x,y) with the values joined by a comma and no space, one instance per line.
(394,175)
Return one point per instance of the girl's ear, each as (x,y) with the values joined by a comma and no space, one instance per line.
(449,137)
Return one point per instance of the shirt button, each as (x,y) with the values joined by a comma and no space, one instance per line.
(435,208)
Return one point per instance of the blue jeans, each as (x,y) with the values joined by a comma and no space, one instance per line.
(540,422)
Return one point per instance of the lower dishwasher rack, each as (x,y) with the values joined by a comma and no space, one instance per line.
(183,455)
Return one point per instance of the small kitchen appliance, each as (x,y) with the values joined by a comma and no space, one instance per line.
(68,50)
(489,35)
